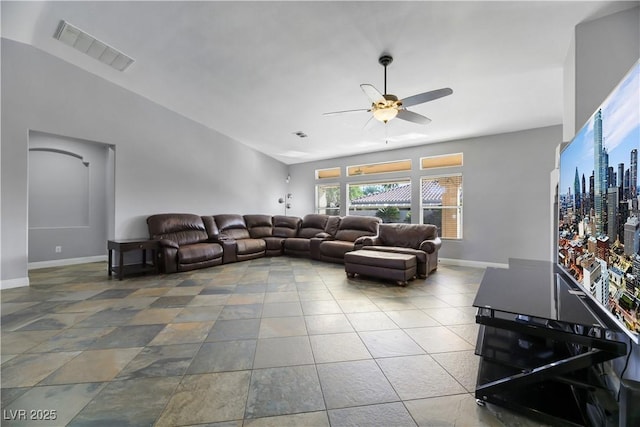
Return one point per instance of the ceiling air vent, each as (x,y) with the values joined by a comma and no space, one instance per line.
(85,43)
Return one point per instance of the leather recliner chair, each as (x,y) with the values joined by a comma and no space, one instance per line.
(284,227)
(312,225)
(183,242)
(420,240)
(350,230)
(230,230)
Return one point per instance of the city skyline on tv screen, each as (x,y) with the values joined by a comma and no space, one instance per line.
(598,240)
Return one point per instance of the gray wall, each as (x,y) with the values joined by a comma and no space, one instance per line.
(164,162)
(69,181)
(605,50)
(506,181)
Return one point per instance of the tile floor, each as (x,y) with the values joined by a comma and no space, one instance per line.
(269,342)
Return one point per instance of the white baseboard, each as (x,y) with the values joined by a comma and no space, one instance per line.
(67,261)
(14,283)
(467,263)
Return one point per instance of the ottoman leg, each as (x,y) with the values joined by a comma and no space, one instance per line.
(351,275)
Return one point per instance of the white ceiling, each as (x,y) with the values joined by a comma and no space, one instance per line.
(260,71)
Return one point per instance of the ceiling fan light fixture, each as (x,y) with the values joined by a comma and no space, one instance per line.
(385,114)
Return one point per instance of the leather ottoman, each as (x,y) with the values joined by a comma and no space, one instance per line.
(384,265)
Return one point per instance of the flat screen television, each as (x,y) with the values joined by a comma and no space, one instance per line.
(598,217)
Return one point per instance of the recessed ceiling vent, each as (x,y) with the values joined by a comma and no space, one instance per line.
(85,43)
(300,134)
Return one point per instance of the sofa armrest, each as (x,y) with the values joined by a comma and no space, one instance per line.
(323,236)
(229,250)
(370,241)
(431,246)
(166,243)
(365,241)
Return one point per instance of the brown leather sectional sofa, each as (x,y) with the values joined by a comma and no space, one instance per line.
(188,241)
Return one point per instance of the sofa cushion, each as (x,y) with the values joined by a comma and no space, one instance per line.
(352,227)
(297,244)
(421,256)
(335,248)
(250,246)
(232,226)
(312,224)
(333,223)
(259,225)
(286,226)
(406,235)
(199,252)
(183,229)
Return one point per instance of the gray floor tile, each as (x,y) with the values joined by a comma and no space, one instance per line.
(127,403)
(284,351)
(390,343)
(229,330)
(241,311)
(375,321)
(127,336)
(207,398)
(160,361)
(338,348)
(281,309)
(282,327)
(416,377)
(224,356)
(387,414)
(438,339)
(281,391)
(308,419)
(57,404)
(346,384)
(82,368)
(328,324)
(462,365)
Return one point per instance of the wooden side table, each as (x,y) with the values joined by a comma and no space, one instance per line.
(128,245)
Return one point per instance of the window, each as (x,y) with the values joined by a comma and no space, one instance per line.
(444,161)
(328,199)
(374,168)
(328,173)
(442,204)
(390,201)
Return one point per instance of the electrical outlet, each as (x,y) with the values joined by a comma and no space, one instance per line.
(58,249)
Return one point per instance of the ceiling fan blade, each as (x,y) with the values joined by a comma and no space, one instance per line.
(372,93)
(346,111)
(410,116)
(426,97)
(369,124)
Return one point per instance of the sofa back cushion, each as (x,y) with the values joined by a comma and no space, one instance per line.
(232,226)
(211,227)
(184,229)
(286,226)
(259,225)
(312,224)
(406,235)
(333,223)
(351,227)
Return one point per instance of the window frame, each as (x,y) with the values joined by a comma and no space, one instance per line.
(399,180)
(332,185)
(459,207)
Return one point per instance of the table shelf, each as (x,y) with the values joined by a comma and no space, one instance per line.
(129,245)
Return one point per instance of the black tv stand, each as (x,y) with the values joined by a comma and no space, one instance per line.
(540,345)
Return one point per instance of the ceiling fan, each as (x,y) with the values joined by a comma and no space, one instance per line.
(387,106)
